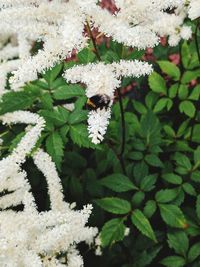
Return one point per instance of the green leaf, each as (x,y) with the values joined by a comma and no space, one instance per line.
(196,176)
(112,232)
(153,160)
(150,208)
(198,206)
(68,91)
(178,240)
(86,56)
(51,74)
(148,182)
(188,108)
(137,198)
(173,261)
(118,183)
(173,90)
(54,146)
(195,94)
(185,55)
(16,141)
(166,195)
(13,101)
(114,205)
(58,116)
(188,76)
(173,216)
(143,224)
(139,107)
(189,189)
(78,116)
(46,101)
(146,257)
(183,161)
(194,252)
(162,103)
(172,178)
(170,69)
(79,136)
(183,91)
(157,83)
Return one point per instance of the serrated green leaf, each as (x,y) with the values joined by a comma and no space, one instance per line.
(173,216)
(150,208)
(183,91)
(179,241)
(185,55)
(188,108)
(147,183)
(68,91)
(173,89)
(79,136)
(138,198)
(188,76)
(162,103)
(54,147)
(112,232)
(118,183)
(157,83)
(170,68)
(86,56)
(78,116)
(143,224)
(195,94)
(166,195)
(194,252)
(175,261)
(189,189)
(13,101)
(198,206)
(153,160)
(114,205)
(16,141)
(51,74)
(172,178)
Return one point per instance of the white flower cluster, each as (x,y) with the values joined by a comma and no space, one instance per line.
(29,238)
(103,79)
(194,9)
(59,25)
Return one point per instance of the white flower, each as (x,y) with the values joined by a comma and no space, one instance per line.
(194,9)
(104,79)
(29,238)
(186,32)
(98,121)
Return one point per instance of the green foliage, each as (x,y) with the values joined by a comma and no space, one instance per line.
(157,196)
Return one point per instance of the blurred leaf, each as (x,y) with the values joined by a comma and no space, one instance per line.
(170,68)
(54,146)
(157,83)
(175,261)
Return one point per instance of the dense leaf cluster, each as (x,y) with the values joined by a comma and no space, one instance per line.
(158,195)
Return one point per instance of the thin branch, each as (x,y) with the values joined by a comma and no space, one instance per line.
(93,41)
(123,132)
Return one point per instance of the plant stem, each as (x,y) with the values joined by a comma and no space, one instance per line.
(123,132)
(93,41)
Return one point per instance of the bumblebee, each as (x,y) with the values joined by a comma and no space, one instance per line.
(98,101)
